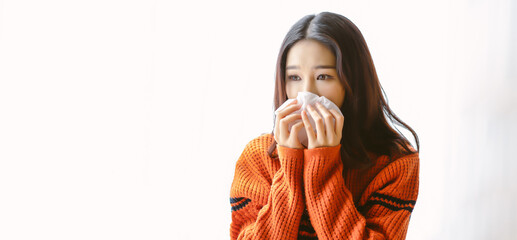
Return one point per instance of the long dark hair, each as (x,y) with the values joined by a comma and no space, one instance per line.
(366,128)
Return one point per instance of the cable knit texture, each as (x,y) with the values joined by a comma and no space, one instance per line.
(306,194)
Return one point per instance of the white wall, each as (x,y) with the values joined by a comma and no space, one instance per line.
(124,119)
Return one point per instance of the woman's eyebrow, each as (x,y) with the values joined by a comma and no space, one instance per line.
(319,66)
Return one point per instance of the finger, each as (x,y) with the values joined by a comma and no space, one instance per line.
(291,107)
(295,129)
(282,114)
(328,118)
(293,138)
(286,120)
(308,127)
(319,122)
(284,123)
(339,122)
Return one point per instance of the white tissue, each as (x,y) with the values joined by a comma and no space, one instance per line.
(306,98)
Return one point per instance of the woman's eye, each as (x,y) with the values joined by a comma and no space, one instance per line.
(324,77)
(293,77)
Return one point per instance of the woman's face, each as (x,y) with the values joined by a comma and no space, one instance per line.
(311,67)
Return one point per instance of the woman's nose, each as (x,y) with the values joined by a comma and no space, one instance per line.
(309,86)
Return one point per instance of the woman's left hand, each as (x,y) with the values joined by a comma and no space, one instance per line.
(329,137)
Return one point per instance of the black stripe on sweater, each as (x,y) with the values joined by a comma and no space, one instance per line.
(384,204)
(234,200)
(240,205)
(393,199)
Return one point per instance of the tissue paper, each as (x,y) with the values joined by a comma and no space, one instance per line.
(306,98)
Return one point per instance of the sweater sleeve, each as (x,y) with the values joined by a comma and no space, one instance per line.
(263,208)
(385,206)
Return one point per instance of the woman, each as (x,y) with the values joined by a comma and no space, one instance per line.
(357,178)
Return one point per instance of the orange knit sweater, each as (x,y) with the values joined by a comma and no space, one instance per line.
(305,194)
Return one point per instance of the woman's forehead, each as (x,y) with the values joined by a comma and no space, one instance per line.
(308,53)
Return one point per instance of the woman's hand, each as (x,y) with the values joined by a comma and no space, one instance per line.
(283,136)
(329,137)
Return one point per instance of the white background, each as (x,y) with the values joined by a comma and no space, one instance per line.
(124,119)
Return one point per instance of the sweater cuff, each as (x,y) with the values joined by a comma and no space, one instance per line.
(291,162)
(322,153)
(291,159)
(291,153)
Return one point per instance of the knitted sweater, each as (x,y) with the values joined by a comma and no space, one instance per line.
(306,194)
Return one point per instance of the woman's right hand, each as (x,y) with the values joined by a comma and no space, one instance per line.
(283,136)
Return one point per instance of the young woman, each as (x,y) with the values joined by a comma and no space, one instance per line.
(357,178)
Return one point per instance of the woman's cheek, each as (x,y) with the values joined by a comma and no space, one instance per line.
(332,96)
(292,90)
